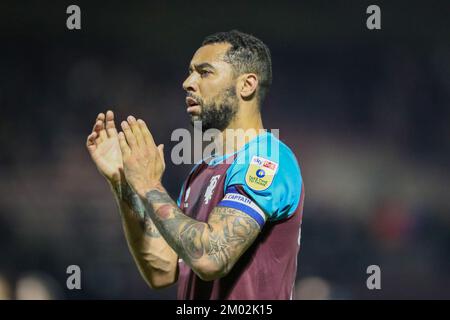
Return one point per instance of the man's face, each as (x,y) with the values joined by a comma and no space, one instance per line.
(210,86)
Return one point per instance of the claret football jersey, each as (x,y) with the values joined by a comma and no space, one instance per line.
(263,180)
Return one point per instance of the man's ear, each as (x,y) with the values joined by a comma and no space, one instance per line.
(248,85)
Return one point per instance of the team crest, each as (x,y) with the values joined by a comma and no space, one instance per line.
(260,173)
(210,190)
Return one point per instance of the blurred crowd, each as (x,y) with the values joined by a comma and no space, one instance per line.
(368,121)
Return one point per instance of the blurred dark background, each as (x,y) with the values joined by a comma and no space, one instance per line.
(366,112)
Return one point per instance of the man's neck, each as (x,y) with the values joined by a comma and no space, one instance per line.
(242,129)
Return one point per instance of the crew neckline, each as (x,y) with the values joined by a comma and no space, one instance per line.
(213,160)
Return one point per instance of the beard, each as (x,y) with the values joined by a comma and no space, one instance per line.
(218,115)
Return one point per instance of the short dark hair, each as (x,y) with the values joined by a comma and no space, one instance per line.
(246,54)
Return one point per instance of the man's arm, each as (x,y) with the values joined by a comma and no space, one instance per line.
(156,261)
(211,249)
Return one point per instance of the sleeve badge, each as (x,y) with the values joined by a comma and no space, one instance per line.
(260,173)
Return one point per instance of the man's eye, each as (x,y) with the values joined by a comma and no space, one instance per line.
(204,73)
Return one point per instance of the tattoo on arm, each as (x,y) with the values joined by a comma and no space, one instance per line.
(222,240)
(235,234)
(134,202)
(131,199)
(191,240)
(150,228)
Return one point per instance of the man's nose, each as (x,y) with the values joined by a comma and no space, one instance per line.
(190,84)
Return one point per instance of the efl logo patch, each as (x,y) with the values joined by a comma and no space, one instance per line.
(260,173)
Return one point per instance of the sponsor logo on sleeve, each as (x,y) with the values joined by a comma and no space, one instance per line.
(260,173)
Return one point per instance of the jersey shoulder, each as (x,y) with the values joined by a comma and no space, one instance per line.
(269,173)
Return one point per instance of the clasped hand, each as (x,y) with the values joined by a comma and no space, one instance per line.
(143,161)
(131,155)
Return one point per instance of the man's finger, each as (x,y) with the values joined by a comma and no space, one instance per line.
(110,125)
(99,126)
(131,140)
(97,129)
(102,129)
(100,117)
(90,142)
(146,133)
(124,145)
(136,130)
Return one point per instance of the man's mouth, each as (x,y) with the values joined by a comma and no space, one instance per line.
(192,105)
